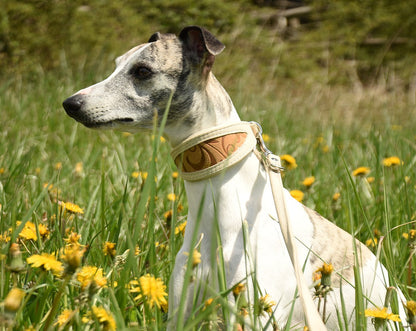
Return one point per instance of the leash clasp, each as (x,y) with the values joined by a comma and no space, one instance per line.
(269,159)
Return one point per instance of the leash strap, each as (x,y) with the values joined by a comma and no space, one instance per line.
(274,168)
(236,154)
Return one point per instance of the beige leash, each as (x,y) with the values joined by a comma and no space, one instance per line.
(274,168)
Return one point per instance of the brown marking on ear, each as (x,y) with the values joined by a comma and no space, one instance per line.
(333,245)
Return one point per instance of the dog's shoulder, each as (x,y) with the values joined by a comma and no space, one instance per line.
(332,244)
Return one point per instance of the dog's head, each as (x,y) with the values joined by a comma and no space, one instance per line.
(144,80)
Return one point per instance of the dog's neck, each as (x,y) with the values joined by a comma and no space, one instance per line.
(211,106)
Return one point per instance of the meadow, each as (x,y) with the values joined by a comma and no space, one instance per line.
(90,222)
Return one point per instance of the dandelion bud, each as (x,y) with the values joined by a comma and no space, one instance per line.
(16,262)
(13,300)
(326,271)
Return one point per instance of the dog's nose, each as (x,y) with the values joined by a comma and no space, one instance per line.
(73,104)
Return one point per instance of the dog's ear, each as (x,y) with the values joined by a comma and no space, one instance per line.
(201,45)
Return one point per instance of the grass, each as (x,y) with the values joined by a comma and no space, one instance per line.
(124,188)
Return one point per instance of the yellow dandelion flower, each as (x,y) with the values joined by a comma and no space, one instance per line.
(28,232)
(237,289)
(135,174)
(136,250)
(13,299)
(71,208)
(64,317)
(392,161)
(381,313)
(90,275)
(168,214)
(5,237)
(336,196)
(288,161)
(308,181)
(266,137)
(325,149)
(58,166)
(46,262)
(73,239)
(316,278)
(109,249)
(326,269)
(266,304)
(143,174)
(208,303)
(297,194)
(370,180)
(43,231)
(78,168)
(72,256)
(152,289)
(371,242)
(160,245)
(180,228)
(196,258)
(180,207)
(105,318)
(175,175)
(47,185)
(171,196)
(361,171)
(411,308)
(2,171)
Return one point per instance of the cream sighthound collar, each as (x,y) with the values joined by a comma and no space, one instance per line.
(209,152)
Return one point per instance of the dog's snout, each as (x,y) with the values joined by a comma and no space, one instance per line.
(73,104)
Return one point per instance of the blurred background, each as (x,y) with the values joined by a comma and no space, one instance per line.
(353,43)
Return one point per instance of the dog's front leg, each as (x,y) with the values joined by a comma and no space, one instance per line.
(180,307)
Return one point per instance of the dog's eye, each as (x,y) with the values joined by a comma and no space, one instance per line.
(141,72)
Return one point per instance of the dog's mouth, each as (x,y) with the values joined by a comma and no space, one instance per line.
(112,124)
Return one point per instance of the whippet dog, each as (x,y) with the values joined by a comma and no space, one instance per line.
(177,69)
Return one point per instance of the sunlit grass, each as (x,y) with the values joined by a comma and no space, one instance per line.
(117,199)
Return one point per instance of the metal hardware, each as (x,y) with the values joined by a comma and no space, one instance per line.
(271,160)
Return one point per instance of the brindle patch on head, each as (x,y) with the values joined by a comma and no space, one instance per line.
(166,55)
(334,245)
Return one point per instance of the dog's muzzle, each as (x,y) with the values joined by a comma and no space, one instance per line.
(75,107)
